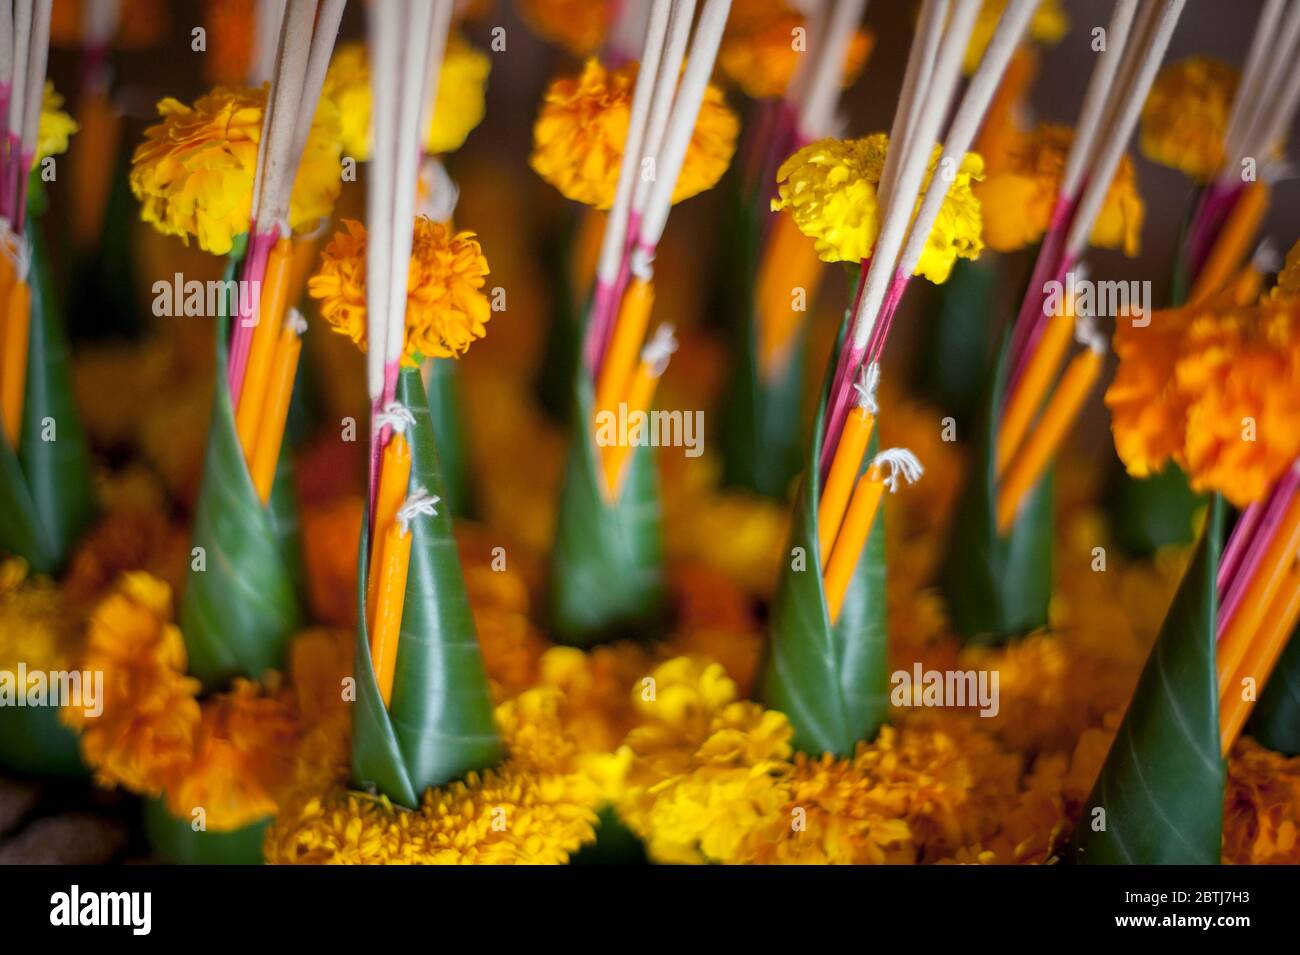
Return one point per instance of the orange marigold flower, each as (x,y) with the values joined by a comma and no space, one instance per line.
(1017,198)
(144,738)
(1288,280)
(1261,815)
(1215,388)
(582,126)
(446,309)
(1185,117)
(761,59)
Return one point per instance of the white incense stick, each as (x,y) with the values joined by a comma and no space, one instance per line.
(318,62)
(818,113)
(412,108)
(661,104)
(22,41)
(1097,96)
(815,21)
(902,200)
(916,77)
(1015,19)
(102,17)
(384,49)
(439,36)
(1282,116)
(37,58)
(277,181)
(1117,135)
(686,109)
(1253,140)
(615,238)
(6,42)
(1252,75)
(268,19)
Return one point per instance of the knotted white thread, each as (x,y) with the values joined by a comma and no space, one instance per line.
(419,504)
(901,463)
(1087,332)
(442,192)
(17,249)
(866,385)
(396,416)
(295,323)
(660,348)
(1267,258)
(642,264)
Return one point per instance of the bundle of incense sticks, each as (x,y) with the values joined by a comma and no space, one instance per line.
(789,259)
(407,41)
(1233,206)
(24,50)
(663,115)
(264,347)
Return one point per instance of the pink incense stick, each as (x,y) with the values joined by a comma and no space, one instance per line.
(1238,542)
(9,188)
(241,340)
(1277,507)
(20,188)
(1049,265)
(1211,213)
(842,381)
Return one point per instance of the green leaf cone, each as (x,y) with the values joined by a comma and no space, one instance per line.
(33,741)
(761,438)
(449,434)
(105,303)
(831,681)
(952,356)
(563,348)
(241,610)
(1147,514)
(46,498)
(998,586)
(176,841)
(607,575)
(1276,720)
(440,724)
(1162,783)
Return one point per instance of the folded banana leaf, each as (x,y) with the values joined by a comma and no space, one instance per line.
(1276,720)
(1149,513)
(34,742)
(439,723)
(105,303)
(563,347)
(831,681)
(46,498)
(762,441)
(951,357)
(998,586)
(242,600)
(449,435)
(1159,798)
(607,576)
(176,841)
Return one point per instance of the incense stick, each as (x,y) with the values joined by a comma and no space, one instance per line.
(1252,76)
(286,91)
(384,43)
(439,34)
(1118,133)
(661,104)
(268,21)
(681,124)
(1282,56)
(318,61)
(816,20)
(818,112)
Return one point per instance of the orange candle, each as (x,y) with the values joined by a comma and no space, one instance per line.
(386,628)
(614,457)
(789,262)
(852,537)
(394,482)
(839,481)
(13,372)
(1233,243)
(271,310)
(270,433)
(619,363)
(1262,656)
(1027,396)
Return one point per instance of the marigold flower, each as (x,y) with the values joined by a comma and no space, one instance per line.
(445,307)
(1048,25)
(1261,818)
(1288,280)
(459,108)
(579,26)
(194,172)
(37,624)
(761,57)
(580,132)
(1017,199)
(1217,389)
(56,126)
(1185,117)
(830,188)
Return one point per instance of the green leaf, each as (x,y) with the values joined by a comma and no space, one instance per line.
(998,586)
(607,575)
(1147,514)
(46,500)
(1276,720)
(831,681)
(1162,783)
(449,434)
(563,347)
(176,841)
(34,742)
(440,724)
(957,348)
(240,611)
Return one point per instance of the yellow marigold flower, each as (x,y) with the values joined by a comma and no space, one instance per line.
(144,738)
(1048,25)
(580,131)
(761,58)
(56,126)
(459,108)
(1288,280)
(1261,817)
(194,172)
(1185,117)
(830,188)
(37,625)
(446,309)
(1217,389)
(579,26)
(1017,199)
